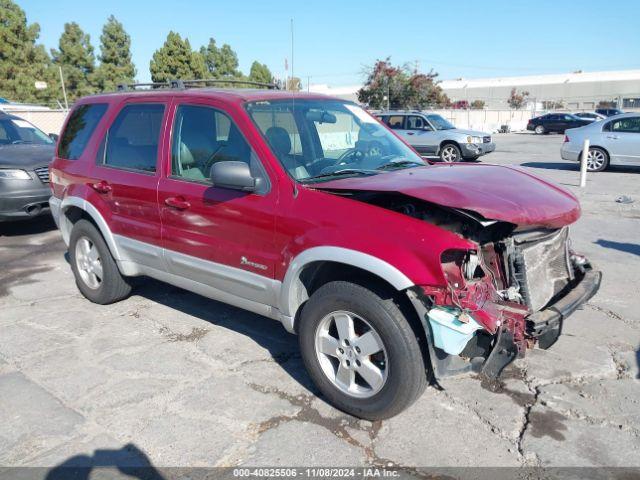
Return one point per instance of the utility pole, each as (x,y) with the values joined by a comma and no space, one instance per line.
(64,91)
(292,76)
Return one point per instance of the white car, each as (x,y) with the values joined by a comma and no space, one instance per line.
(613,141)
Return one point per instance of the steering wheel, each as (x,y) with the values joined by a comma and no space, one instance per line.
(354,152)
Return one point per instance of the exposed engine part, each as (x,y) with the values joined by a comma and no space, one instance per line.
(470,265)
(512,294)
(465,223)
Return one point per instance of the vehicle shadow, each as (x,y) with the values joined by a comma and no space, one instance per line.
(268,333)
(575,166)
(33,226)
(551,165)
(638,360)
(632,248)
(130,461)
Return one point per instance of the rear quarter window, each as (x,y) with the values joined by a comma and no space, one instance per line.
(82,122)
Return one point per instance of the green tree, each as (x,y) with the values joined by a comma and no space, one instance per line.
(115,57)
(478,105)
(260,73)
(22,61)
(397,87)
(220,62)
(422,91)
(75,56)
(175,60)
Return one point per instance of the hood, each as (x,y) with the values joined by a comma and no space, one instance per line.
(473,133)
(495,192)
(25,155)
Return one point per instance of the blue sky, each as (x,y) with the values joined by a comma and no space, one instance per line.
(335,39)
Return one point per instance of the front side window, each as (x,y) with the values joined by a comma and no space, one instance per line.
(326,138)
(132,140)
(77,133)
(629,125)
(203,136)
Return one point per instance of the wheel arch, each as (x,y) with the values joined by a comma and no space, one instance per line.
(448,141)
(319,265)
(73,209)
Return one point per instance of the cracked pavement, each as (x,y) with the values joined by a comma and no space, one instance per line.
(174,379)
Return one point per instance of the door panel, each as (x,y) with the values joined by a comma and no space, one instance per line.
(421,135)
(125,176)
(623,140)
(216,236)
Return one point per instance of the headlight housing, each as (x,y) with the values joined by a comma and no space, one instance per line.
(14,174)
(473,139)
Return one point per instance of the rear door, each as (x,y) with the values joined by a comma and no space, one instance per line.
(218,237)
(126,177)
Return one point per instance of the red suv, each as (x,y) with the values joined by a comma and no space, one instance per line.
(306,209)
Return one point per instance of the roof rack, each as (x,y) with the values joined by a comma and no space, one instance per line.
(184,84)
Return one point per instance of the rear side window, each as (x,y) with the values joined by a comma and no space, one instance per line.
(396,122)
(132,140)
(82,122)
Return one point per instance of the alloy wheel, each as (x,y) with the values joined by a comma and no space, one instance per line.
(595,160)
(449,154)
(88,263)
(351,354)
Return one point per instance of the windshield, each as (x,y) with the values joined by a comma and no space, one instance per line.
(440,123)
(316,140)
(14,131)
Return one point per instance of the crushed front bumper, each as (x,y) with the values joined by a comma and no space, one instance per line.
(546,325)
(472,150)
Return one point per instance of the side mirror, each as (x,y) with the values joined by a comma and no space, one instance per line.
(54,136)
(233,175)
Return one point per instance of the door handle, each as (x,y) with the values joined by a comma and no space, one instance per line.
(613,137)
(101,187)
(410,133)
(179,203)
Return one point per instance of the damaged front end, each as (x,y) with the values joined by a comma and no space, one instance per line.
(511,292)
(519,286)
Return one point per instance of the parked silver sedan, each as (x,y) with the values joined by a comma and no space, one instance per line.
(432,135)
(613,141)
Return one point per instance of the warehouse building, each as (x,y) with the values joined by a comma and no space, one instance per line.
(572,91)
(568,91)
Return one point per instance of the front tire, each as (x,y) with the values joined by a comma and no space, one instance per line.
(597,159)
(540,130)
(96,272)
(450,153)
(361,351)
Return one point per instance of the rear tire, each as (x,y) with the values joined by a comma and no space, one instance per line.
(368,385)
(597,159)
(96,272)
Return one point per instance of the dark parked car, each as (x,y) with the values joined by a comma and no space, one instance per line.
(609,112)
(593,116)
(556,122)
(25,154)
